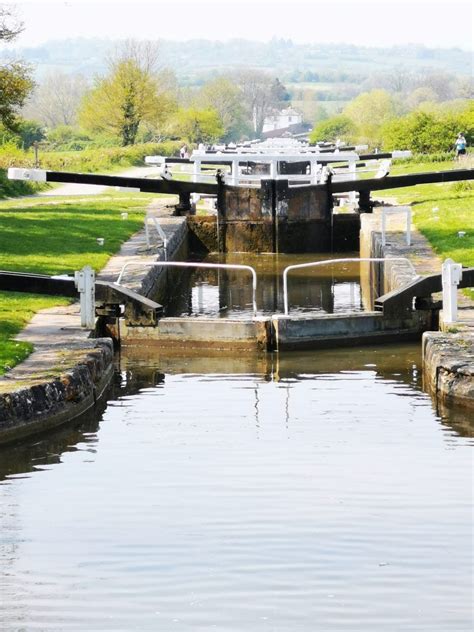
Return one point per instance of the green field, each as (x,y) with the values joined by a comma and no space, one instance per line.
(56,237)
(440,211)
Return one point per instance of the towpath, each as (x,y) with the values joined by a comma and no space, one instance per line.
(92,189)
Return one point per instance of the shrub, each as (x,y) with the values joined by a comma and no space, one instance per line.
(89,160)
(333,128)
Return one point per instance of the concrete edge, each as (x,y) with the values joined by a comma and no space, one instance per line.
(29,410)
(448,367)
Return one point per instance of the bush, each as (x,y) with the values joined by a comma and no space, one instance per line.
(333,128)
(15,188)
(89,160)
(461,187)
(428,132)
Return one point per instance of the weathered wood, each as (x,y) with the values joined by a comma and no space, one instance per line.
(395,182)
(146,185)
(138,309)
(37,284)
(401,300)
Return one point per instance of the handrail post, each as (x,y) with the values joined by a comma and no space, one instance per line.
(451,274)
(147,232)
(408,211)
(85,282)
(384,226)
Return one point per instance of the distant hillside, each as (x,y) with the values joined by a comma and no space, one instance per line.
(194,61)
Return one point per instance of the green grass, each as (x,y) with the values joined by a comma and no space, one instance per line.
(15,312)
(56,237)
(104,160)
(454,212)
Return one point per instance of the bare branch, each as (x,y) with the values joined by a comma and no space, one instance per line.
(10,25)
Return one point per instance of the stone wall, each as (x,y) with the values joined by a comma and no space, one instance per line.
(39,404)
(448,367)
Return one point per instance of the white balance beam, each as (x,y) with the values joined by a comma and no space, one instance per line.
(34,175)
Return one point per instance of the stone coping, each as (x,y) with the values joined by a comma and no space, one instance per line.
(38,402)
(448,366)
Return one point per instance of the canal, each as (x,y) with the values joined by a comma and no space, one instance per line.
(333,288)
(300,491)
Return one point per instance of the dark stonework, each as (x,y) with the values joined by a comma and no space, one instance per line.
(275,218)
(31,409)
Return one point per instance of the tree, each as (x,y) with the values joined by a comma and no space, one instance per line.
(225,98)
(15,77)
(279,93)
(428,132)
(30,132)
(10,27)
(441,83)
(130,96)
(369,111)
(259,96)
(421,95)
(56,100)
(198,126)
(333,128)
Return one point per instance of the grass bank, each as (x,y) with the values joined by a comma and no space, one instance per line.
(56,237)
(106,160)
(442,212)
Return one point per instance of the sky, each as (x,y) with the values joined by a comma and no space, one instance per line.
(434,23)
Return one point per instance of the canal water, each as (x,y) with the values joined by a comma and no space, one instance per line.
(300,492)
(332,288)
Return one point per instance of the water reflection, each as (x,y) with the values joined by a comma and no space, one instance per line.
(256,492)
(228,293)
(139,370)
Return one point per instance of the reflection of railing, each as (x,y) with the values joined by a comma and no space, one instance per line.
(192,264)
(333,261)
(159,230)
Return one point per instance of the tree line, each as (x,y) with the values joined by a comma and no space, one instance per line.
(383,121)
(138,100)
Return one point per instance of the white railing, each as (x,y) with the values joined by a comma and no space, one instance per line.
(192,264)
(451,274)
(392,211)
(271,156)
(84,281)
(314,264)
(159,230)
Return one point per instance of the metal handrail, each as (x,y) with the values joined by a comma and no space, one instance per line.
(393,211)
(327,261)
(192,264)
(159,230)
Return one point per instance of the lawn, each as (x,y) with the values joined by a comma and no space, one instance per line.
(55,237)
(441,212)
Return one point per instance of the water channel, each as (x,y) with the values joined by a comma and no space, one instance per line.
(220,293)
(307,491)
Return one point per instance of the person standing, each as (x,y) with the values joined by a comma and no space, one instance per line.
(460,146)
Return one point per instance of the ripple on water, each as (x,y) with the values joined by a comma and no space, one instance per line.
(325,500)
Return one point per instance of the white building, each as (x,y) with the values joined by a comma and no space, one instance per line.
(282,120)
